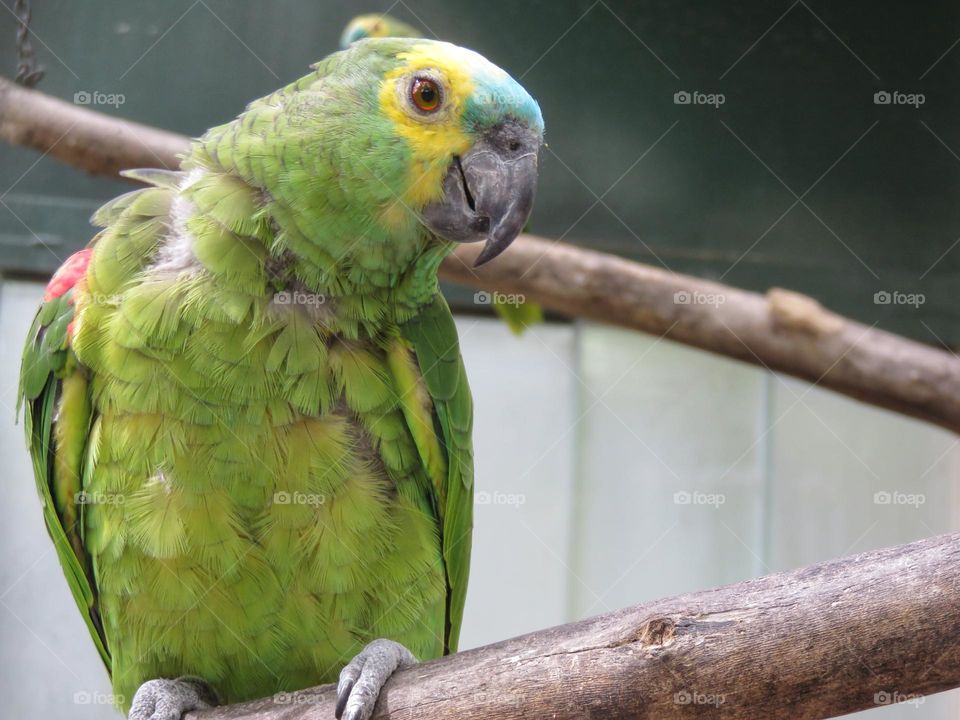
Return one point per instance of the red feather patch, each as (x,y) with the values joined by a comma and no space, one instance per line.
(69,274)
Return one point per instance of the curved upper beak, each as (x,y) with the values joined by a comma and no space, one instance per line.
(488,191)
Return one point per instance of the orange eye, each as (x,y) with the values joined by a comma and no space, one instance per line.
(425,94)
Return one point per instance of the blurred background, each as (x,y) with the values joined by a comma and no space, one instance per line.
(808,145)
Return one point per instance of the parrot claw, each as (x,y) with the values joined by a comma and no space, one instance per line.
(170,699)
(363,677)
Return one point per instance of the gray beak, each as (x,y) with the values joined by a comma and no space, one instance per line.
(489,191)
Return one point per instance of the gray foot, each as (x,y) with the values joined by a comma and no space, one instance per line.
(170,699)
(364,676)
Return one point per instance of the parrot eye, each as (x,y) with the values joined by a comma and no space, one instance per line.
(425,94)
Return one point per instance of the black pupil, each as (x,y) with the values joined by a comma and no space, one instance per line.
(428,93)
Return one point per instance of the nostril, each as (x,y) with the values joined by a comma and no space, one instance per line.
(514,145)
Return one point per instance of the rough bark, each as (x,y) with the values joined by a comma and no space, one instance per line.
(832,638)
(783,331)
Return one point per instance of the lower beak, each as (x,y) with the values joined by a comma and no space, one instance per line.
(488,191)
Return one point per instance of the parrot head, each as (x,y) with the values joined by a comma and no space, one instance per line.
(471,136)
(375,26)
(390,153)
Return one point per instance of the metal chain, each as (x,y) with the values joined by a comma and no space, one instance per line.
(28,72)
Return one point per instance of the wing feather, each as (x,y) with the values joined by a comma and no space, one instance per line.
(57,415)
(432,335)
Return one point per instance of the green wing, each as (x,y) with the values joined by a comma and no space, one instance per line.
(433,337)
(57,416)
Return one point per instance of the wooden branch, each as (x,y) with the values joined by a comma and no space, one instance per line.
(833,638)
(83,138)
(783,331)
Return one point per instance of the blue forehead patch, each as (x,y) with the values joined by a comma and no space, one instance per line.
(496,97)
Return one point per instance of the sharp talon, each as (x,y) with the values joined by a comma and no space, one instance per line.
(342,697)
(362,679)
(169,699)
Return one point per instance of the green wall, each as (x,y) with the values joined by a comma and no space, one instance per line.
(694,188)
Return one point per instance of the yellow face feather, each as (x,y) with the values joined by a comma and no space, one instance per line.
(433,138)
(468,95)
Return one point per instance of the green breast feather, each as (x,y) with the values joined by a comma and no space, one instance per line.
(207,391)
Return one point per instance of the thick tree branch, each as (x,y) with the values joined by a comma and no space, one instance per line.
(783,331)
(832,638)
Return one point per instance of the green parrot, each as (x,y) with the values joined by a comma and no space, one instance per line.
(376,25)
(245,402)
